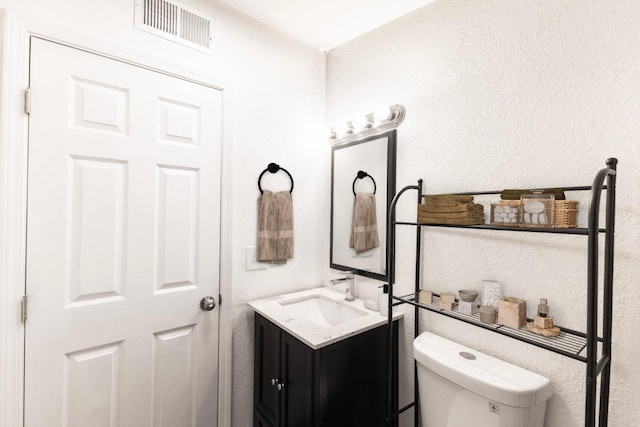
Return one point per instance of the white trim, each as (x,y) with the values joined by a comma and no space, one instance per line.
(16,32)
(225,328)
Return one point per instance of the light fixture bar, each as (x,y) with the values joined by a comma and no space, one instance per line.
(371,124)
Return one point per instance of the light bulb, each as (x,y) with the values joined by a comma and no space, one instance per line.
(360,123)
(341,129)
(383,113)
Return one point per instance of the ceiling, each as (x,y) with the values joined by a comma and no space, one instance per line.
(326,24)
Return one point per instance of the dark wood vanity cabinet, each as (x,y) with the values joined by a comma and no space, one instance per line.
(342,384)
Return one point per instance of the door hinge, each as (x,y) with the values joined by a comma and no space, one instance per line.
(23,308)
(27,100)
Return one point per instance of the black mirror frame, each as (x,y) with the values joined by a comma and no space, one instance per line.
(391,192)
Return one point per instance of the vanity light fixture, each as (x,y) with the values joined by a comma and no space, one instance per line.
(385,117)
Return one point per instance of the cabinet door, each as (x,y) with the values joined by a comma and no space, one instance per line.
(260,421)
(266,369)
(352,380)
(297,394)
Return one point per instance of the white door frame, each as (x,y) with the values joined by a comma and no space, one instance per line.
(16,30)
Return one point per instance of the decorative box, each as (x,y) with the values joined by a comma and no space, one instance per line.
(512,312)
(507,212)
(447,297)
(426,297)
(537,210)
(543,322)
(447,301)
(448,306)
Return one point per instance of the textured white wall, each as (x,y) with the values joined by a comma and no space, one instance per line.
(512,94)
(498,93)
(278,95)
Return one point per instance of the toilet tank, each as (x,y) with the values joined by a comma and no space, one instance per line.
(460,387)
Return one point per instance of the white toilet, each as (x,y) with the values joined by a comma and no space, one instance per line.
(461,387)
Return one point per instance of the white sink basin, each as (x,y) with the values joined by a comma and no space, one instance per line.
(320,316)
(321,310)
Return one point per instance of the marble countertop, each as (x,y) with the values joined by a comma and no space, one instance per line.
(312,333)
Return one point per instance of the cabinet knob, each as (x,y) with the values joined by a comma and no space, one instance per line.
(278,385)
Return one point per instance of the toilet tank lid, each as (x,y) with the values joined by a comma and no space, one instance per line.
(485,375)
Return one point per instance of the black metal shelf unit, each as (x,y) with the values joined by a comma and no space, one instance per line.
(582,346)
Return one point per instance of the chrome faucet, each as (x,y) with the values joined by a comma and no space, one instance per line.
(349,280)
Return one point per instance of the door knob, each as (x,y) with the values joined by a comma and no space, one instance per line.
(208,303)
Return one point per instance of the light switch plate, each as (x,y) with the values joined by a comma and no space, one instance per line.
(251,263)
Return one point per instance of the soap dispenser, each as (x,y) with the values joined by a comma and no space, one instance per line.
(383,300)
(543,308)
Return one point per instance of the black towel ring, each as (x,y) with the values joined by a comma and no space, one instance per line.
(362,175)
(273,168)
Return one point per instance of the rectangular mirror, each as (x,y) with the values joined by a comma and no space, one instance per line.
(374,157)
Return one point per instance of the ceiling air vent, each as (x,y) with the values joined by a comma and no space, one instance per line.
(176,22)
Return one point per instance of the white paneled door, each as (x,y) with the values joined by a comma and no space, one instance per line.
(123,230)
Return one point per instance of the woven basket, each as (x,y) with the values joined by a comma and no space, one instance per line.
(566,214)
(566,204)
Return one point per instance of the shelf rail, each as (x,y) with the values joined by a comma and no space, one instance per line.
(594,368)
(576,341)
(391,262)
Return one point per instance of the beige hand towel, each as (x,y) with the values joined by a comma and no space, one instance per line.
(275,227)
(364,225)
